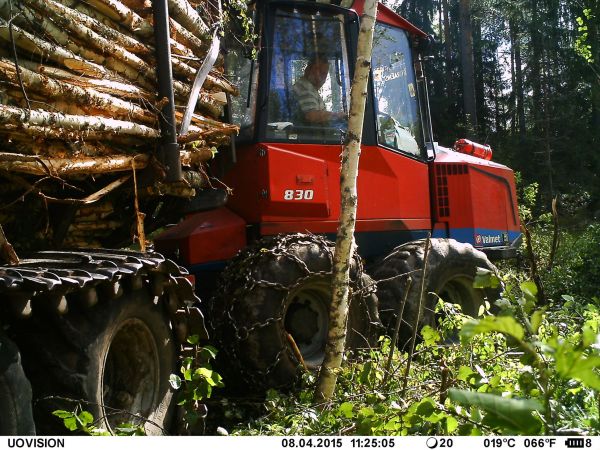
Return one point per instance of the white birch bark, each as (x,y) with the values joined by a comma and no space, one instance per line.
(123,15)
(31,43)
(37,165)
(25,132)
(107,86)
(61,17)
(95,14)
(338,312)
(59,36)
(86,97)
(185,37)
(186,15)
(127,42)
(10,115)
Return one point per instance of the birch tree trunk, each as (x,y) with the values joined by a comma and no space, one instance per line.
(344,248)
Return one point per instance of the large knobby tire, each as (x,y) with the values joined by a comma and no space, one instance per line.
(16,417)
(115,358)
(451,270)
(280,287)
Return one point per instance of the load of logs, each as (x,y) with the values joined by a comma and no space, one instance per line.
(80,113)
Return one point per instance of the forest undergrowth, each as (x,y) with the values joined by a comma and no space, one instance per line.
(528,365)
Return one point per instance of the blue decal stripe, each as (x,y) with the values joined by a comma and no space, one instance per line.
(483,237)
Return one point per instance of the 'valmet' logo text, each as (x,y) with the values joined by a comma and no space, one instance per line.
(483,239)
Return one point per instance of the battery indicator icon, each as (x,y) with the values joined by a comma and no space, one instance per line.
(575,443)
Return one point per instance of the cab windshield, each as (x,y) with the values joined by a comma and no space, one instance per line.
(309,83)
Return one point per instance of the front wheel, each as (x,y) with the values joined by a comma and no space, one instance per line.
(113,359)
(271,312)
(450,272)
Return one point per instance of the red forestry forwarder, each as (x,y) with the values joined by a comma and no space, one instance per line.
(260,257)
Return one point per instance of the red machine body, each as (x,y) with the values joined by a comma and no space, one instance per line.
(284,183)
(475,200)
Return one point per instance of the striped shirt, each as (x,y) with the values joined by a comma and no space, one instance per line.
(307,96)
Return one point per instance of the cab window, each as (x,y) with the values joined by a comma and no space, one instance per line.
(396,103)
(309,82)
(242,70)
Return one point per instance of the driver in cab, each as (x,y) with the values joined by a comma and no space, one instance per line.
(312,107)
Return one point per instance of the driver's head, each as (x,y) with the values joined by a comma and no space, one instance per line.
(316,71)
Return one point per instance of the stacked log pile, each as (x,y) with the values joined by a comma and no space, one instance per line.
(79,113)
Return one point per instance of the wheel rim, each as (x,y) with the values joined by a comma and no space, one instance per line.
(459,290)
(130,377)
(307,321)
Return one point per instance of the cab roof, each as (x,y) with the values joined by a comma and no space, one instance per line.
(388,16)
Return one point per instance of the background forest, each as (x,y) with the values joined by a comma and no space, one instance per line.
(524,77)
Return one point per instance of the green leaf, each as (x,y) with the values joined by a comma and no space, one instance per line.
(70,419)
(530,290)
(451,424)
(589,336)
(62,414)
(425,408)
(209,352)
(193,339)
(85,418)
(502,324)
(536,320)
(366,371)
(217,380)
(464,373)
(345,409)
(129,429)
(430,336)
(366,412)
(572,364)
(506,414)
(485,278)
(71,423)
(393,424)
(175,381)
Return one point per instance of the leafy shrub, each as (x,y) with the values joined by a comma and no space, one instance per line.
(576,267)
(524,371)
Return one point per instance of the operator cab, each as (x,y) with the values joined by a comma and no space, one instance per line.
(292,114)
(295,35)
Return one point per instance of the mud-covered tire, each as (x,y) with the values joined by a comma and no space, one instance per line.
(451,270)
(16,417)
(114,358)
(279,286)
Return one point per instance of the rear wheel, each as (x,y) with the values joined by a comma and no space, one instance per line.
(15,393)
(451,270)
(273,306)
